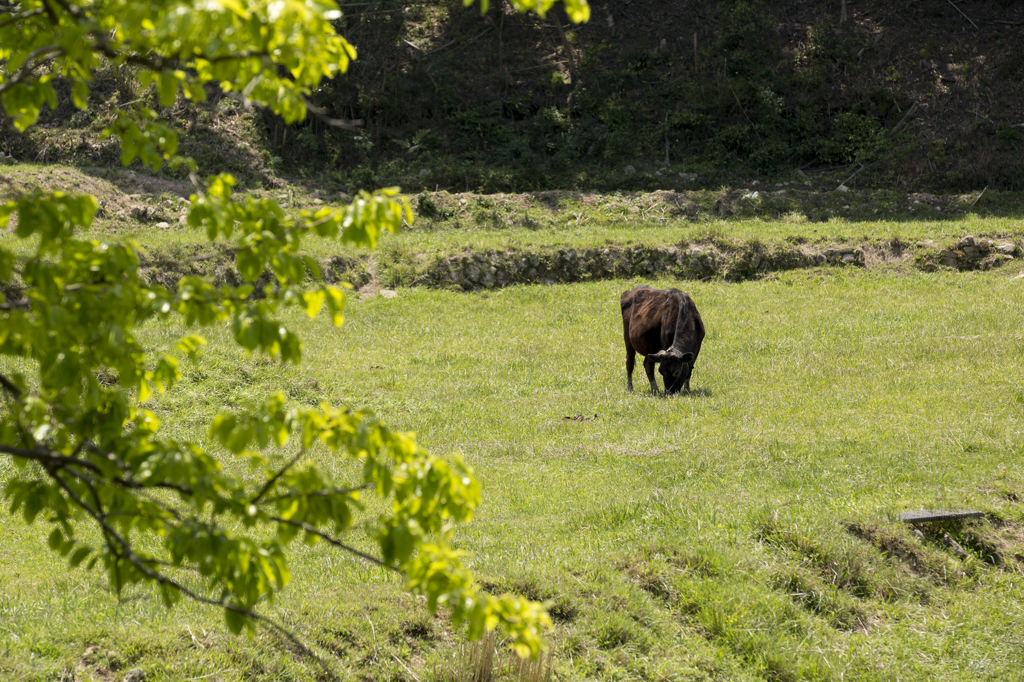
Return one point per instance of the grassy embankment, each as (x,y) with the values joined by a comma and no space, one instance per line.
(744,532)
(786,218)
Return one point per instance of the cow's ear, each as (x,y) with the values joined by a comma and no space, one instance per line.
(687,358)
(659,356)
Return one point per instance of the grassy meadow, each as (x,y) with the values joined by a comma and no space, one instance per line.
(747,531)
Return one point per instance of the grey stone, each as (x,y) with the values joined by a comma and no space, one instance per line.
(966,241)
(388,293)
(163,226)
(948,258)
(971,251)
(135,675)
(1007,248)
(629,170)
(937,516)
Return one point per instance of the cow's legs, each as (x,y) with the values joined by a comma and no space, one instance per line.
(649,368)
(630,364)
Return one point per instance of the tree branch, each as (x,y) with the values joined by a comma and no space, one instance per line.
(50,460)
(312,530)
(9,386)
(126,552)
(323,493)
(277,475)
(18,17)
(335,122)
(50,51)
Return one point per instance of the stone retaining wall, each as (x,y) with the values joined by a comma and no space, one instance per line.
(472,270)
(490,269)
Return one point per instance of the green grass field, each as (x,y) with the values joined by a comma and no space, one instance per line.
(744,532)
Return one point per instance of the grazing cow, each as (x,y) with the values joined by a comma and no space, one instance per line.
(665,327)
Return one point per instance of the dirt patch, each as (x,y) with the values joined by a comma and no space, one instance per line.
(920,559)
(130,182)
(123,196)
(652,581)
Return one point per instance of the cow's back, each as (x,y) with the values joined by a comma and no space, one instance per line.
(644,311)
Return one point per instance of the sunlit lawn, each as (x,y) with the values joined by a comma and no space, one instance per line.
(678,538)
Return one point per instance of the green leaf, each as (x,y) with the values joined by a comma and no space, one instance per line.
(6,210)
(56,539)
(313,267)
(78,556)
(167,86)
(80,93)
(314,300)
(335,304)
(250,264)
(234,620)
(7,261)
(190,344)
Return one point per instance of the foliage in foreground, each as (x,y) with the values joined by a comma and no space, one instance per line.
(168,512)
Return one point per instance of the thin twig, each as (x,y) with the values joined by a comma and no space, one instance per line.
(23,15)
(48,458)
(322,493)
(452,42)
(277,475)
(9,386)
(312,530)
(50,51)
(321,114)
(414,46)
(740,104)
(843,183)
(962,12)
(903,120)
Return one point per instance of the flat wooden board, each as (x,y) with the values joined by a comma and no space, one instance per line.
(933,516)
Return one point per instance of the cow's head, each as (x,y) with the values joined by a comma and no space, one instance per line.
(675,369)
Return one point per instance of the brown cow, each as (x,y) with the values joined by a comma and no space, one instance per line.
(665,327)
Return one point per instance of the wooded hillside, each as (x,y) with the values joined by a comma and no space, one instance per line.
(925,95)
